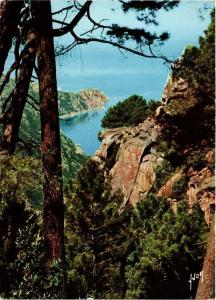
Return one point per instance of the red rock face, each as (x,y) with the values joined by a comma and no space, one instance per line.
(166,190)
(135,162)
(145,178)
(134,156)
(201,190)
(125,171)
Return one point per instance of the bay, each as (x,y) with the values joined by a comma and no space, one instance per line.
(83,129)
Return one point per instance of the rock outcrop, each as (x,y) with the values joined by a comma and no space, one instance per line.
(132,154)
(201,190)
(177,98)
(93,98)
(167,189)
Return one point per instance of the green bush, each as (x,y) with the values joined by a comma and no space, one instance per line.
(169,247)
(162,174)
(22,267)
(194,119)
(179,187)
(129,112)
(197,63)
(196,160)
(21,179)
(131,255)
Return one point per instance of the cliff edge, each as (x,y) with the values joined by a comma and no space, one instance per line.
(156,157)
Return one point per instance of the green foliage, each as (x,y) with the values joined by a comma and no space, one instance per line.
(72,158)
(197,64)
(53,282)
(22,267)
(180,187)
(148,252)
(84,100)
(195,160)
(70,102)
(97,237)
(132,255)
(170,151)
(146,13)
(26,269)
(27,274)
(129,112)
(169,247)
(20,179)
(162,174)
(193,119)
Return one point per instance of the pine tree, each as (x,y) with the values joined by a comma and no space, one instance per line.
(9,19)
(169,247)
(50,138)
(98,240)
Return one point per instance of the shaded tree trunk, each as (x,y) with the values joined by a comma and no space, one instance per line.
(206,286)
(9,18)
(50,133)
(12,117)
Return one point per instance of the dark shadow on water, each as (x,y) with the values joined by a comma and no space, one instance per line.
(79,118)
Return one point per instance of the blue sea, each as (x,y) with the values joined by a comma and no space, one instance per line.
(135,76)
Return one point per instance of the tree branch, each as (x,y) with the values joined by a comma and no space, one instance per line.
(16,54)
(96,23)
(31,143)
(62,10)
(33,99)
(7,100)
(7,76)
(15,65)
(74,22)
(140,53)
(32,105)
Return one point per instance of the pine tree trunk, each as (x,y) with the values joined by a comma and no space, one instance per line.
(9,18)
(12,117)
(206,287)
(50,131)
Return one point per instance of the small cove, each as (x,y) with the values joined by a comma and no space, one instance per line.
(83,128)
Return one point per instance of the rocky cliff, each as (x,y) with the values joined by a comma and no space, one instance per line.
(155,157)
(131,157)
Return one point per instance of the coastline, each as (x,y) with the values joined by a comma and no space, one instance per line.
(76,113)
